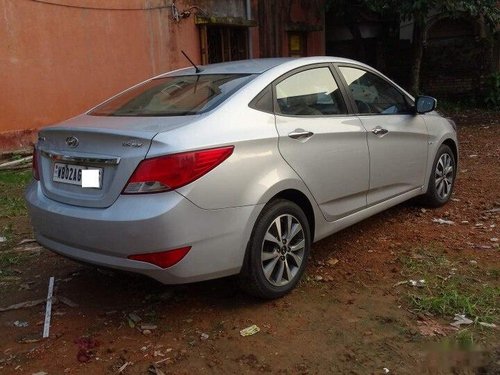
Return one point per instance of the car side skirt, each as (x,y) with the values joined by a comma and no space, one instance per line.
(325,228)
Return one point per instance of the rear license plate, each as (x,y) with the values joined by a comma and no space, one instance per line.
(72,174)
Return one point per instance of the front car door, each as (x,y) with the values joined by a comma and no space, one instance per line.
(397,137)
(324,144)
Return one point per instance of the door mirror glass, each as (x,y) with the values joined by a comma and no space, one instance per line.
(425,104)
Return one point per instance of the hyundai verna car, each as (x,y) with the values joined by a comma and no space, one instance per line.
(236,168)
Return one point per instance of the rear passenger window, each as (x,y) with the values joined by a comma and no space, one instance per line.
(264,101)
(312,92)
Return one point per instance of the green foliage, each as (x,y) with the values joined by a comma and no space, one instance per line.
(419,11)
(11,200)
(488,9)
(409,8)
(492,98)
(451,288)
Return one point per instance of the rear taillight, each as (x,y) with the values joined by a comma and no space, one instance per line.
(162,259)
(173,171)
(34,165)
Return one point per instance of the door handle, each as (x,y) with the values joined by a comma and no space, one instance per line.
(380,131)
(300,134)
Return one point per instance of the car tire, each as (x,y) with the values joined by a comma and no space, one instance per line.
(442,178)
(277,252)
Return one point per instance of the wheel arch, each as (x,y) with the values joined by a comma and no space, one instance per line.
(301,200)
(251,279)
(451,144)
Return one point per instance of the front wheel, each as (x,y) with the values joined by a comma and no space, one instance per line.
(442,179)
(277,251)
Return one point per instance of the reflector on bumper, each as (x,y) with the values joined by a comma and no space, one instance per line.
(162,259)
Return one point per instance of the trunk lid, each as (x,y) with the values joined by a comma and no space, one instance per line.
(115,145)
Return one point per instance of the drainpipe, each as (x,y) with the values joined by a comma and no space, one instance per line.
(249,17)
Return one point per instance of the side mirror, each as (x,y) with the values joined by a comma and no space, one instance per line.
(424,104)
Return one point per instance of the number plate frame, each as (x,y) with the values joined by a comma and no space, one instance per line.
(71,174)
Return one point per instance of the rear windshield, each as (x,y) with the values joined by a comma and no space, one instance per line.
(174,96)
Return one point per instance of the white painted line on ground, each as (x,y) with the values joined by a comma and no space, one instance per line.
(48,309)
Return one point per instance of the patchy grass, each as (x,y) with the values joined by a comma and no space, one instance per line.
(8,260)
(451,287)
(6,232)
(465,339)
(12,206)
(15,178)
(12,184)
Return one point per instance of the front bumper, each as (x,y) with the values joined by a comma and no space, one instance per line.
(145,224)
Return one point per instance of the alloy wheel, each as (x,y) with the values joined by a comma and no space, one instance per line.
(282,251)
(444,176)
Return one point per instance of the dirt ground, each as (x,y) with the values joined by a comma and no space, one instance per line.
(352,313)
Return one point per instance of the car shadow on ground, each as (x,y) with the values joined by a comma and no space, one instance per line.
(106,289)
(109,289)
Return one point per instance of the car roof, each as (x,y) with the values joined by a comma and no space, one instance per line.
(256,66)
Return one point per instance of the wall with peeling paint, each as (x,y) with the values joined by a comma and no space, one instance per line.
(57,61)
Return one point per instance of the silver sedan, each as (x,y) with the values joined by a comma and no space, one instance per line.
(236,168)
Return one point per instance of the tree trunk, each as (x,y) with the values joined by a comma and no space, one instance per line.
(417,53)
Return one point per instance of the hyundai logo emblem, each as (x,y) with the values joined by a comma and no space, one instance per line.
(72,141)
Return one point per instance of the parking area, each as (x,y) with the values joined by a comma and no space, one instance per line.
(377,297)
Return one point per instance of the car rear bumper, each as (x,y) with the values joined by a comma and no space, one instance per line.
(145,224)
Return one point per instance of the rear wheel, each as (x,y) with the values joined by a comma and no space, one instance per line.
(277,251)
(442,179)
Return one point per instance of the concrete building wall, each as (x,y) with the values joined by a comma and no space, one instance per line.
(61,57)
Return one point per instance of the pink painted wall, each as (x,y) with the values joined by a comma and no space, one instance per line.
(57,61)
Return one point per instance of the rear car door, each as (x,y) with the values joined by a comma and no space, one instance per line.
(397,137)
(324,144)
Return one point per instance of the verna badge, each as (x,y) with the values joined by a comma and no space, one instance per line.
(72,142)
(132,143)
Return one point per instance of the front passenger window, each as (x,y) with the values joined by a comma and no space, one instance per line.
(312,92)
(372,94)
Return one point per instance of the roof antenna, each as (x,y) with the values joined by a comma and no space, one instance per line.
(198,70)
